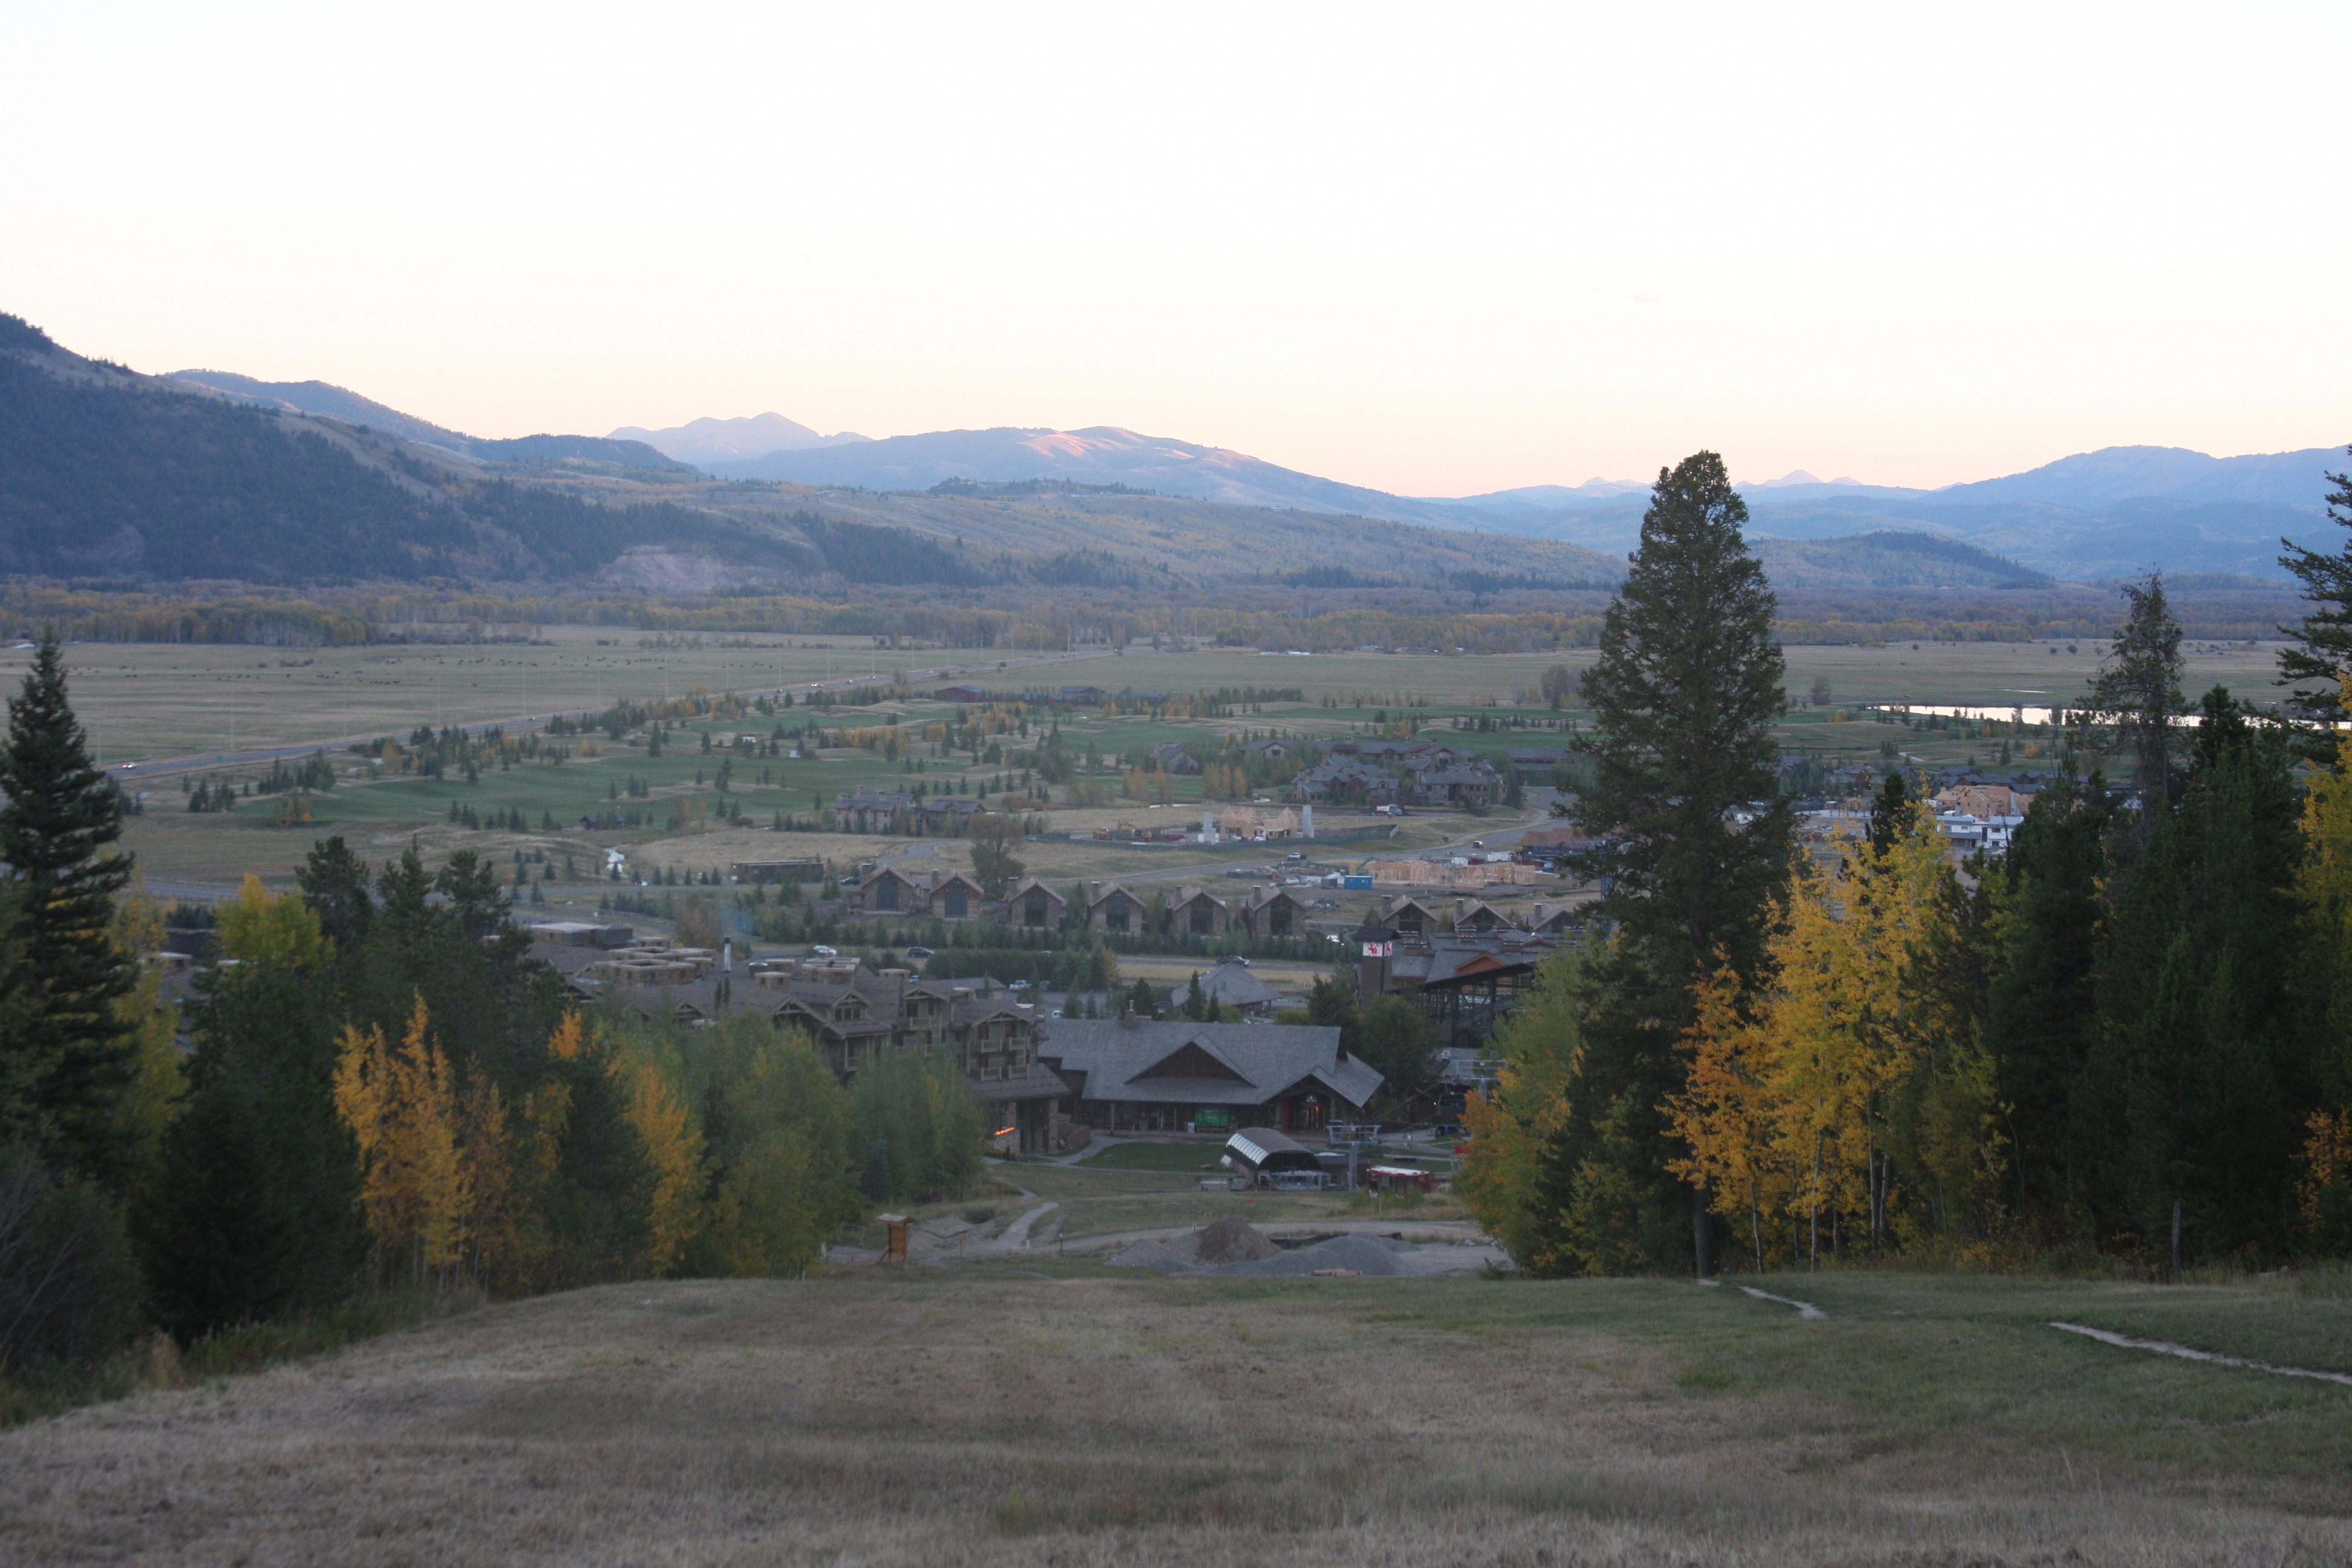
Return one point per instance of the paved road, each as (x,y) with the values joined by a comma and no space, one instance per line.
(167,767)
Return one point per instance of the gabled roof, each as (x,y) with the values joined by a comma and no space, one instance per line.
(1186,894)
(1194,1059)
(1234,985)
(1109,889)
(1111,1059)
(1022,889)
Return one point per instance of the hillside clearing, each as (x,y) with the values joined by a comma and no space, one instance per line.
(1053,1415)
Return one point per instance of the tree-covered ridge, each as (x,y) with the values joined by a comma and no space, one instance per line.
(126,481)
(109,474)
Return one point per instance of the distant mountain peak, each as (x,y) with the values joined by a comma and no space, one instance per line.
(707,440)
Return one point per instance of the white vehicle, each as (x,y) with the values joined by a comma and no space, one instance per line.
(822,951)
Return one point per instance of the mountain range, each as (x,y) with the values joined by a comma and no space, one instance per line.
(123,478)
(704,442)
(2113,512)
(214,474)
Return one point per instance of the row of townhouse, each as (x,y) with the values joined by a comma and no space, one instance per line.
(1416,918)
(1196,911)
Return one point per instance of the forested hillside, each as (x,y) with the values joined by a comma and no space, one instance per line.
(107,474)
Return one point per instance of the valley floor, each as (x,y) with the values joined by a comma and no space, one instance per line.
(1061,1414)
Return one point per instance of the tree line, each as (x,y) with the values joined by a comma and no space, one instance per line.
(2126,1041)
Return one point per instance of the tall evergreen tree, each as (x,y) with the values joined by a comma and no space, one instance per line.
(334,883)
(1684,778)
(2047,923)
(2197,1080)
(259,1213)
(1890,811)
(2320,654)
(2137,690)
(1684,695)
(67,1061)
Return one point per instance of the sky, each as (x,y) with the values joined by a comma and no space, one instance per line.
(1436,249)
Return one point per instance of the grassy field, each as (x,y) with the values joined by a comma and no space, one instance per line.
(160,701)
(149,700)
(1050,1413)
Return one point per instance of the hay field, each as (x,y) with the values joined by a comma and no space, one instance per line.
(1053,1415)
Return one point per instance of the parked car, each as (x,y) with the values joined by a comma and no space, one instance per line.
(822,951)
(918,953)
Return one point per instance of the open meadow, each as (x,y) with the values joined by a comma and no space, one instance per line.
(152,702)
(1046,1412)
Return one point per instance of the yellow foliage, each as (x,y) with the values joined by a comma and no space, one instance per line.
(415,1180)
(569,1039)
(261,927)
(1788,1107)
(2327,1159)
(672,1146)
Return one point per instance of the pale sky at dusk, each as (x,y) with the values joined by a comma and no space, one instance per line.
(1438,250)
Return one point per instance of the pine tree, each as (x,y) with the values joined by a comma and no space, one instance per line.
(257,1213)
(2048,922)
(2322,658)
(2199,1080)
(66,1059)
(1685,779)
(2138,689)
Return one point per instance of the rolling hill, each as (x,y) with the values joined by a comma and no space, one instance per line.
(337,403)
(1882,560)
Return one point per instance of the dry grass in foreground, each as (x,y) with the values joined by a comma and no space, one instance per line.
(982,1416)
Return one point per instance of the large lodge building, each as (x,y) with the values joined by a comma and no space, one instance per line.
(1046,1074)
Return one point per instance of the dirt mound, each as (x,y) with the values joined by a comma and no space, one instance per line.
(1368,1255)
(1230,1240)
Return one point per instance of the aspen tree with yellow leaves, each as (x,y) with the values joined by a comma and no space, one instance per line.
(671,1145)
(415,1187)
(1791,1104)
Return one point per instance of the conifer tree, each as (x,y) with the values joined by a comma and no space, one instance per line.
(65,1058)
(2321,657)
(334,883)
(2138,689)
(1684,780)
(2198,1080)
(2047,925)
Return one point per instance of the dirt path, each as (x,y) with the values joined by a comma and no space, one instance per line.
(1805,1309)
(2166,1347)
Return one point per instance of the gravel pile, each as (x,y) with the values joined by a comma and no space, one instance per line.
(1230,1240)
(1176,1252)
(1366,1255)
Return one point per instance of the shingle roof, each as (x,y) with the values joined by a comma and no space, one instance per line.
(1112,1060)
(1233,985)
